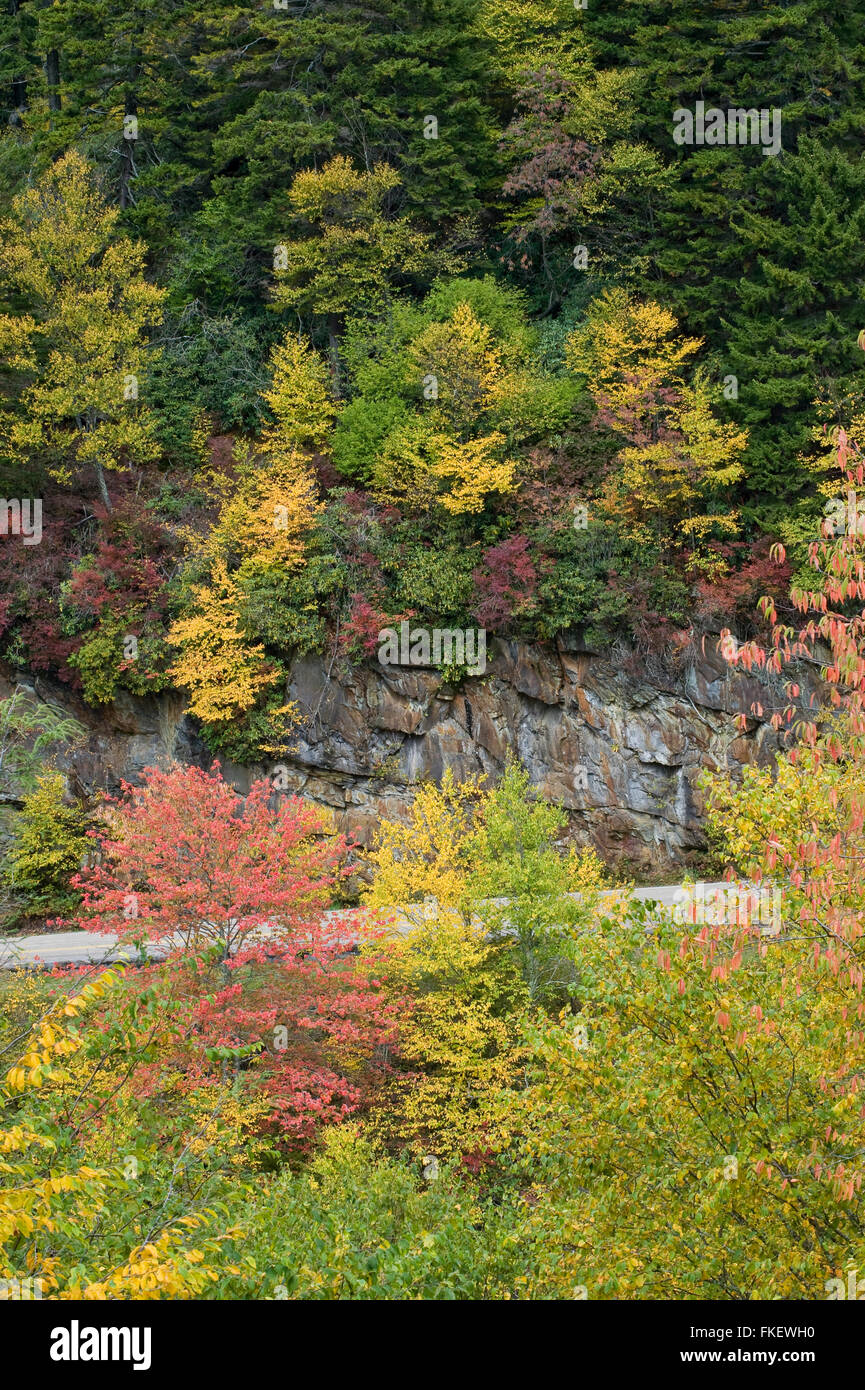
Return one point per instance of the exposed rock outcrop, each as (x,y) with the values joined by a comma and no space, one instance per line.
(619,749)
(619,752)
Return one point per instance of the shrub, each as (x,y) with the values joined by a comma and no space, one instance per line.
(357,1225)
(50,843)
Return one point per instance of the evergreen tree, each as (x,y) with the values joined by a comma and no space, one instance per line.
(792,333)
(131,101)
(116,80)
(730,209)
(50,844)
(23,69)
(403,82)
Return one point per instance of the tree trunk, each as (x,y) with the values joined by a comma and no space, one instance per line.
(52,77)
(333,351)
(103,487)
(19,83)
(127,161)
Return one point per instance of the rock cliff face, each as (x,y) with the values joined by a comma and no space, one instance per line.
(619,749)
(620,752)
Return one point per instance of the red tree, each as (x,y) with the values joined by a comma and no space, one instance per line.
(505,585)
(826,867)
(258,971)
(551,163)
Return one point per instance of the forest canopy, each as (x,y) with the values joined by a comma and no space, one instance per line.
(445,287)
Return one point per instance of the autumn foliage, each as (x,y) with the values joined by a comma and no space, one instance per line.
(238,892)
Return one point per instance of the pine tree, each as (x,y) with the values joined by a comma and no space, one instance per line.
(129,97)
(19,63)
(50,843)
(792,333)
(404,82)
(729,209)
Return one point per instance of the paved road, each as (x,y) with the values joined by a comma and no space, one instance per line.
(82,948)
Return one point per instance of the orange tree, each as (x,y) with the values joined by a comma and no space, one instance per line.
(259,979)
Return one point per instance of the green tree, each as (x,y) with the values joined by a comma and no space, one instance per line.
(515,858)
(791,334)
(50,843)
(346,80)
(122,88)
(360,1225)
(445,394)
(746,249)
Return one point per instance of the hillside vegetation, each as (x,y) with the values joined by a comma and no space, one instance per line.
(514,319)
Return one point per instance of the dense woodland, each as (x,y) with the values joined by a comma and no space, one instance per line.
(375,268)
(319,316)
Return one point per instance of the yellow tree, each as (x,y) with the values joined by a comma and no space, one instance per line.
(299,399)
(264,519)
(526,35)
(222,670)
(422,465)
(265,516)
(460,1050)
(447,454)
(479,877)
(680,460)
(80,344)
(460,360)
(267,509)
(627,350)
(71,1226)
(345,252)
(472,470)
(460,1047)
(426,856)
(677,486)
